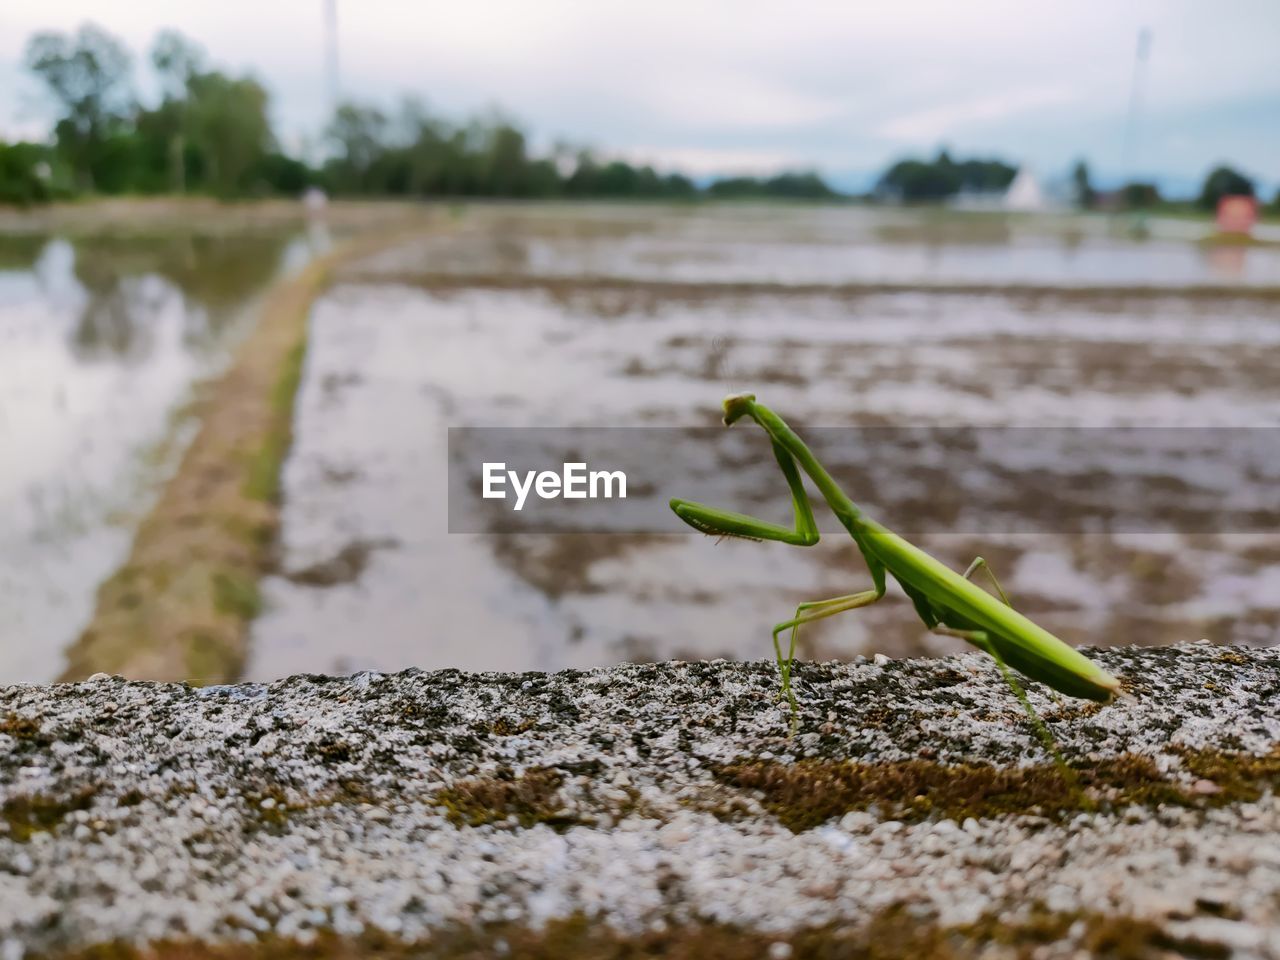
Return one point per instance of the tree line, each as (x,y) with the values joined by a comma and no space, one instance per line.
(211,133)
(943,178)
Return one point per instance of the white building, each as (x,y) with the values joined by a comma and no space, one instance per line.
(1025,194)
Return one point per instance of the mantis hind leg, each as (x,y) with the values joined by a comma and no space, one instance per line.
(980,564)
(980,640)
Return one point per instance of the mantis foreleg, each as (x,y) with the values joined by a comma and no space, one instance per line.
(726,523)
(717,522)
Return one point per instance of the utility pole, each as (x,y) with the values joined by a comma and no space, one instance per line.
(331,51)
(1128,159)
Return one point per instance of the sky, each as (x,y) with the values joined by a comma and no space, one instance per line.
(749,86)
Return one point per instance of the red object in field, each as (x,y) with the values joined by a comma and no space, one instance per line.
(1237,214)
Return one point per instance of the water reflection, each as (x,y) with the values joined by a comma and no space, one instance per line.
(19,252)
(101,339)
(1227,261)
(212,274)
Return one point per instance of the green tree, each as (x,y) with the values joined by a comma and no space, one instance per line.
(280,173)
(1140,195)
(227,119)
(792,186)
(798,186)
(88,74)
(26,174)
(177,61)
(1223,182)
(503,161)
(1082,186)
(359,132)
(583,181)
(914,180)
(426,139)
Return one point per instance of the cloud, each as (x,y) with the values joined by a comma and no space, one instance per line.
(750,83)
(934,123)
(699,161)
(732,99)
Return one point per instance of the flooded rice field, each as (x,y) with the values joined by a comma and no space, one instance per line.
(102,338)
(639,316)
(798,246)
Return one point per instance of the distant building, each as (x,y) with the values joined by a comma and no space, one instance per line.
(1025,194)
(978,200)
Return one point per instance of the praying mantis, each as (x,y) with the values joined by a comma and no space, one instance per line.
(949,603)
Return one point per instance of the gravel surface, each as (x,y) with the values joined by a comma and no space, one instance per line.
(406,804)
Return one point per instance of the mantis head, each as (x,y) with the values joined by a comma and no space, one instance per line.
(736,405)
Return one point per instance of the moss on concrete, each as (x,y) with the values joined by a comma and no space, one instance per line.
(506,727)
(1093,934)
(19,727)
(527,799)
(896,932)
(25,815)
(808,793)
(1237,777)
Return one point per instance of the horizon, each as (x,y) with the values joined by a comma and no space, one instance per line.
(771,97)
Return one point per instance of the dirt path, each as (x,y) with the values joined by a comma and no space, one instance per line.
(178,609)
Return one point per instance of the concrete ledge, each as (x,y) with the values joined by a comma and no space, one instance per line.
(647,801)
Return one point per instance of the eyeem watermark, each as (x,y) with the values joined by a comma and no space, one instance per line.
(573,482)
(952,480)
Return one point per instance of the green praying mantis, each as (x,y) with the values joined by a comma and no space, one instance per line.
(948,602)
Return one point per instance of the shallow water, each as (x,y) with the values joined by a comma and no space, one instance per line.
(835,245)
(102,338)
(435,335)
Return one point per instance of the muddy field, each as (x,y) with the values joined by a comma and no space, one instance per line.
(642,316)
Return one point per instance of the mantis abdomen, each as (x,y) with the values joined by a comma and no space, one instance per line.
(961,604)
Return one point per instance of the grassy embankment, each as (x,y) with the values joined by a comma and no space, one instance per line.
(180,606)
